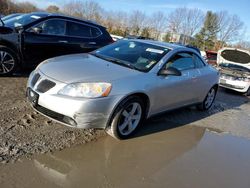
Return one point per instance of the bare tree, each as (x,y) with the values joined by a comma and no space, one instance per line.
(185,21)
(158,23)
(52,8)
(243,45)
(8,7)
(27,7)
(89,10)
(175,20)
(137,21)
(116,22)
(229,27)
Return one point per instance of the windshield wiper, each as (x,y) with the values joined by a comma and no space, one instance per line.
(116,61)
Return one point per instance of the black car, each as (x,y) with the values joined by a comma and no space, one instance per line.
(4,18)
(28,39)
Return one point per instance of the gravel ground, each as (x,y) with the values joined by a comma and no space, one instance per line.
(25,132)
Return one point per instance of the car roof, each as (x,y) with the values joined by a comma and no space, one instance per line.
(59,15)
(162,44)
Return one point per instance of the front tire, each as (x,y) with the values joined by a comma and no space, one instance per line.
(127,117)
(209,100)
(8,61)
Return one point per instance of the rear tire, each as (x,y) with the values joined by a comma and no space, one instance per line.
(127,117)
(209,100)
(8,61)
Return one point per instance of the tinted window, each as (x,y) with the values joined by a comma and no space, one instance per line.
(95,32)
(53,27)
(181,61)
(78,30)
(140,55)
(198,61)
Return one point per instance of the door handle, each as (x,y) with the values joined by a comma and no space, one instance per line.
(92,43)
(63,41)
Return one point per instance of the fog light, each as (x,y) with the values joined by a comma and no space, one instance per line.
(69,121)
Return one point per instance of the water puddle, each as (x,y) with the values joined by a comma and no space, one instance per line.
(186,156)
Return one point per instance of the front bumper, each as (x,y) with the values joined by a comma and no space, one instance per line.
(236,85)
(70,111)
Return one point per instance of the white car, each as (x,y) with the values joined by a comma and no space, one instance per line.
(234,67)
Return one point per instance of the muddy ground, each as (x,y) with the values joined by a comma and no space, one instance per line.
(24,132)
(182,157)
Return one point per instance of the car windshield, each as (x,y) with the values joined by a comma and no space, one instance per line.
(21,20)
(133,54)
(234,67)
(10,16)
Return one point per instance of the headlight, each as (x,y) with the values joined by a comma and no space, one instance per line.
(87,90)
(244,79)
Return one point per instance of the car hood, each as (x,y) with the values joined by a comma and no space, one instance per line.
(84,68)
(234,56)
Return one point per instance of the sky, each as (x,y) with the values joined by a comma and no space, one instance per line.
(238,7)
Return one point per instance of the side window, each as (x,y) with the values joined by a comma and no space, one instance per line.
(78,30)
(95,32)
(52,27)
(181,61)
(199,63)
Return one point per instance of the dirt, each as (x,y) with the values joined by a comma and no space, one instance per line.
(24,132)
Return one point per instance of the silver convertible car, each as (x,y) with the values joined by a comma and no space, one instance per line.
(118,86)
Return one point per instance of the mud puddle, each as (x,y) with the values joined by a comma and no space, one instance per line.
(181,157)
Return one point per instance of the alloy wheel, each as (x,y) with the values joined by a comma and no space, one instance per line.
(210,98)
(130,118)
(7,62)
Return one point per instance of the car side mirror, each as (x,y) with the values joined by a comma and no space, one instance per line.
(37,30)
(169,71)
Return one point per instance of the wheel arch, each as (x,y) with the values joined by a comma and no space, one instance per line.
(141,95)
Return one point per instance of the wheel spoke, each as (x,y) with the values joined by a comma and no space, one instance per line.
(2,55)
(124,125)
(210,98)
(9,62)
(125,113)
(130,126)
(136,117)
(4,68)
(134,108)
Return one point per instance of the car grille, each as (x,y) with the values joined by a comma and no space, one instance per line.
(45,85)
(35,79)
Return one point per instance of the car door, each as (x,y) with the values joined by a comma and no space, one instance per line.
(45,40)
(177,91)
(203,78)
(82,37)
